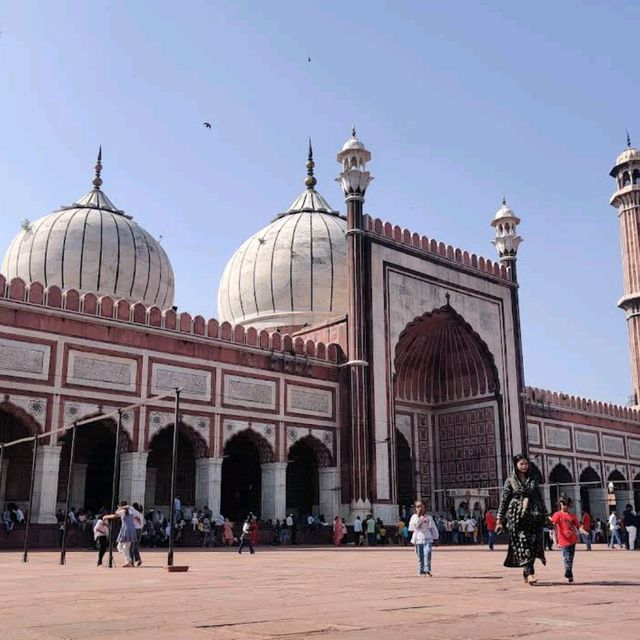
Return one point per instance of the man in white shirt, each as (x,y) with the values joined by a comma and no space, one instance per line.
(614,527)
(357,531)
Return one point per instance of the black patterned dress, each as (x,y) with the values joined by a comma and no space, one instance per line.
(522,509)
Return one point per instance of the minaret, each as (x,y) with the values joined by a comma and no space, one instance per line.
(354,180)
(626,199)
(505,222)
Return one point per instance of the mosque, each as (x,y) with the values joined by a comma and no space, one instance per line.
(353,365)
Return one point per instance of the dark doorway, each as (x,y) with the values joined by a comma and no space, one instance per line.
(302,479)
(241,478)
(18,458)
(589,479)
(558,477)
(405,472)
(160,458)
(636,493)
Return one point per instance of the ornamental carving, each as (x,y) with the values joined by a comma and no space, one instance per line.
(20,358)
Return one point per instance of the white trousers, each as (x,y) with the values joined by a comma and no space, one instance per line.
(633,532)
(125,549)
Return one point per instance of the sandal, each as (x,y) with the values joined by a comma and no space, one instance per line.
(531,580)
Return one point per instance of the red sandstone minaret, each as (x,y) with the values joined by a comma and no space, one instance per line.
(626,199)
(354,180)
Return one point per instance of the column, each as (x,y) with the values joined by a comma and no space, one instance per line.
(546,494)
(78,485)
(45,486)
(4,470)
(208,483)
(623,498)
(133,477)
(274,490)
(573,492)
(329,482)
(150,488)
(598,504)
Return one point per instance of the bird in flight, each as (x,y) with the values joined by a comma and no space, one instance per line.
(308,59)
(207,125)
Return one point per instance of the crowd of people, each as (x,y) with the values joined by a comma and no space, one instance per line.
(12,517)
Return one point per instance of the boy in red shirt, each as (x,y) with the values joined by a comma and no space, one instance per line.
(566,525)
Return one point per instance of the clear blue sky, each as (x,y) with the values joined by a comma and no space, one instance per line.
(459,104)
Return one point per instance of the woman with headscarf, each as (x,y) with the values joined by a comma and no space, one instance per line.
(523,512)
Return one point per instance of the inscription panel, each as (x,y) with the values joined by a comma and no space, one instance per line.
(250,392)
(316,402)
(533,432)
(613,445)
(587,442)
(96,370)
(634,448)
(24,359)
(195,383)
(557,437)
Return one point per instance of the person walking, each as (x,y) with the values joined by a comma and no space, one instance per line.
(424,532)
(138,522)
(357,531)
(289,522)
(630,521)
(522,510)
(127,533)
(227,532)
(370,524)
(585,529)
(490,522)
(245,538)
(614,527)
(566,525)
(101,536)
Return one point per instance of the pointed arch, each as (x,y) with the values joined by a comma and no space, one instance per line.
(265,450)
(26,419)
(440,358)
(560,475)
(323,456)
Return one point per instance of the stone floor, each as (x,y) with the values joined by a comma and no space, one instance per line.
(318,592)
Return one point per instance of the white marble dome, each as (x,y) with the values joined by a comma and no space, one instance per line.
(293,272)
(94,247)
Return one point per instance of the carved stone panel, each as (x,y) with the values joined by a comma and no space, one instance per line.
(195,383)
(316,402)
(613,445)
(586,441)
(533,431)
(24,359)
(97,370)
(557,437)
(249,392)
(634,448)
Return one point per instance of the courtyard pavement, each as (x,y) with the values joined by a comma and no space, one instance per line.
(319,593)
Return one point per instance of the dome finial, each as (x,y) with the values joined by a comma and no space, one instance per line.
(97,181)
(310,180)
(628,138)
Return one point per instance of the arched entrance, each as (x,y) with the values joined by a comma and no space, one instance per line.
(15,473)
(619,481)
(560,480)
(92,471)
(405,471)
(241,487)
(590,483)
(441,364)
(305,458)
(190,447)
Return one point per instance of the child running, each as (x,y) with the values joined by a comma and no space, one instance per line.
(567,526)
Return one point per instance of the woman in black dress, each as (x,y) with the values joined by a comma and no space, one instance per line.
(523,512)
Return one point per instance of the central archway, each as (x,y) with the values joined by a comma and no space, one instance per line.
(446,372)
(15,473)
(560,479)
(93,464)
(241,490)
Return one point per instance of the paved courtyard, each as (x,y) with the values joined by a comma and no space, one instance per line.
(318,592)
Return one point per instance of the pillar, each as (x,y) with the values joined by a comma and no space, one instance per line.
(573,492)
(546,494)
(133,477)
(78,485)
(623,498)
(598,503)
(329,482)
(150,488)
(45,485)
(208,484)
(274,490)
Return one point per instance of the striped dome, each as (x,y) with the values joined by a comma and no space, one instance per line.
(93,247)
(292,272)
